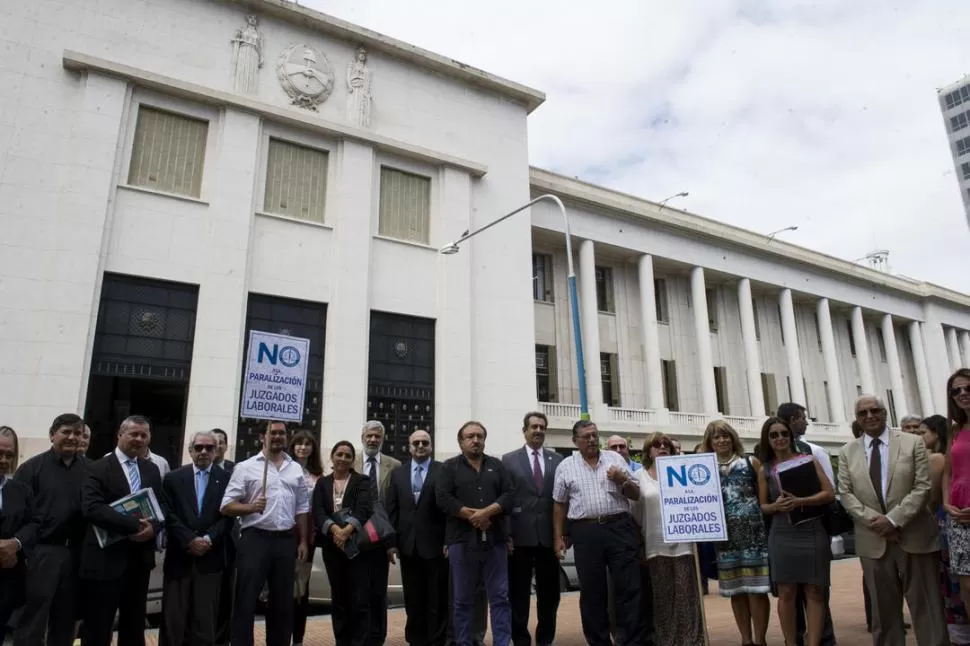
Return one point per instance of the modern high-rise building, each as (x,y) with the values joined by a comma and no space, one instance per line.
(955,105)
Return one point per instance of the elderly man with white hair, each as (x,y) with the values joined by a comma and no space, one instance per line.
(884,479)
(910,424)
(378,467)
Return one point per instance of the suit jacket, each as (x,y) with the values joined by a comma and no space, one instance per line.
(387,465)
(532,512)
(18,519)
(106,482)
(357,499)
(184,523)
(907,491)
(227,466)
(420,527)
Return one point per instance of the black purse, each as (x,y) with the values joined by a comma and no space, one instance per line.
(836,520)
(377,530)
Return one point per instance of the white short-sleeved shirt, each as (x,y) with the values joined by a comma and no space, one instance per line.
(588,491)
(647,512)
(286,492)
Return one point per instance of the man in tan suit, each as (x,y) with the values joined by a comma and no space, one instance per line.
(378,467)
(884,482)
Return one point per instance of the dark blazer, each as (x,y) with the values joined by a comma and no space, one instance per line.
(357,498)
(105,483)
(184,523)
(18,519)
(532,514)
(420,529)
(227,466)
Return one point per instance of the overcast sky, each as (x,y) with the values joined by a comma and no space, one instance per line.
(821,115)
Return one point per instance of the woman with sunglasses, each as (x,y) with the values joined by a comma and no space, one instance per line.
(742,560)
(305,450)
(676,599)
(799,554)
(956,479)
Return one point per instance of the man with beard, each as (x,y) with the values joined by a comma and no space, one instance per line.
(378,467)
(275,530)
(54,479)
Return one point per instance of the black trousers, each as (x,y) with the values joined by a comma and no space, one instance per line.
(376,560)
(228,588)
(522,563)
(126,597)
(301,607)
(264,558)
(828,630)
(190,609)
(597,547)
(425,602)
(52,597)
(349,586)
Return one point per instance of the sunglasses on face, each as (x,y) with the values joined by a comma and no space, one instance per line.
(661,443)
(774,435)
(420,443)
(866,412)
(199,448)
(959,390)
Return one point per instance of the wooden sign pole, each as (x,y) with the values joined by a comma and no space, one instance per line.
(700,593)
(269,425)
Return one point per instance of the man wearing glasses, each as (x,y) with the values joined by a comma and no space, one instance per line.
(884,482)
(593,489)
(618,445)
(195,556)
(420,543)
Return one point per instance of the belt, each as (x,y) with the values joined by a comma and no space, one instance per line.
(59,542)
(271,532)
(601,520)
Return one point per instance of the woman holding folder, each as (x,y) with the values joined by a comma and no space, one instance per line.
(794,490)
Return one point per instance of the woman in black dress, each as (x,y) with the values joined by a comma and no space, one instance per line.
(342,503)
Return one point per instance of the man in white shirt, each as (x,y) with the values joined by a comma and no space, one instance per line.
(275,534)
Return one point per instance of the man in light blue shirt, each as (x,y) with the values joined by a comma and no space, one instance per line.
(618,445)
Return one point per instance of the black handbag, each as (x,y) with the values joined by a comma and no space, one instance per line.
(836,519)
(376,531)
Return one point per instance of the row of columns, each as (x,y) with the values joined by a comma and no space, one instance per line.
(954,344)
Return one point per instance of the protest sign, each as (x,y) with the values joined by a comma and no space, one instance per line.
(691,504)
(275,383)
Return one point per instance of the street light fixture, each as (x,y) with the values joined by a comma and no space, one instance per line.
(452,248)
(664,201)
(772,235)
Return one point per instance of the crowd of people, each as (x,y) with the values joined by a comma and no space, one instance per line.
(474,532)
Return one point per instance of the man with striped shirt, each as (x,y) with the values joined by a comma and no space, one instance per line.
(593,489)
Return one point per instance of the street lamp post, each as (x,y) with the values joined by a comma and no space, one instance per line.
(452,248)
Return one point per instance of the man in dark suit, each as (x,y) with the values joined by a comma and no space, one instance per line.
(228,573)
(533,469)
(115,577)
(420,542)
(195,557)
(18,527)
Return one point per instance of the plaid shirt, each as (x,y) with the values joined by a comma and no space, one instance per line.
(588,491)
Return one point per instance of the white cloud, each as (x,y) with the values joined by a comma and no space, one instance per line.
(818,114)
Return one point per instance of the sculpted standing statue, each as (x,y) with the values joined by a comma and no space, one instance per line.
(359,89)
(247,57)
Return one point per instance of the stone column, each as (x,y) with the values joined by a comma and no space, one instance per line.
(790,333)
(953,349)
(836,397)
(705,356)
(895,369)
(937,361)
(591,330)
(862,352)
(965,347)
(651,341)
(922,372)
(752,358)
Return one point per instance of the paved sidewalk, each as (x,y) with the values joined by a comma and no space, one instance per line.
(847,611)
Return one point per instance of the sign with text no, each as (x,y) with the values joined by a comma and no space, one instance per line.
(691,504)
(275,382)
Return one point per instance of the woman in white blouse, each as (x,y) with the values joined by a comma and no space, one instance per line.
(675,597)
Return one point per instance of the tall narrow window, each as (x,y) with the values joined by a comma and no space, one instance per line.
(546,390)
(848,326)
(770,393)
(405,210)
(757,320)
(668,374)
(828,401)
(542,277)
(168,152)
(711,296)
(604,289)
(805,390)
(781,325)
(881,342)
(818,334)
(660,298)
(891,405)
(720,389)
(611,382)
(296,181)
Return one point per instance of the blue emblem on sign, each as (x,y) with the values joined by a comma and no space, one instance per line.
(699,475)
(289,356)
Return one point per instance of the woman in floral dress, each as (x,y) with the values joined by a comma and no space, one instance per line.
(742,560)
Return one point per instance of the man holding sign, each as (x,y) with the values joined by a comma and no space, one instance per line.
(268,492)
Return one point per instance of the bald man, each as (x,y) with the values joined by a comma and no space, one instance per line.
(618,445)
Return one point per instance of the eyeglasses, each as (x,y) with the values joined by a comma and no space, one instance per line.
(421,443)
(10,455)
(661,443)
(959,390)
(866,412)
(199,448)
(774,435)
(618,447)
(590,437)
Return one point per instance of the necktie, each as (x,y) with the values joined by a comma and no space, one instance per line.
(417,482)
(536,471)
(201,481)
(875,471)
(372,472)
(134,478)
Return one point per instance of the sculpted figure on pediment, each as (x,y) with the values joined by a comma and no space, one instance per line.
(247,57)
(360,83)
